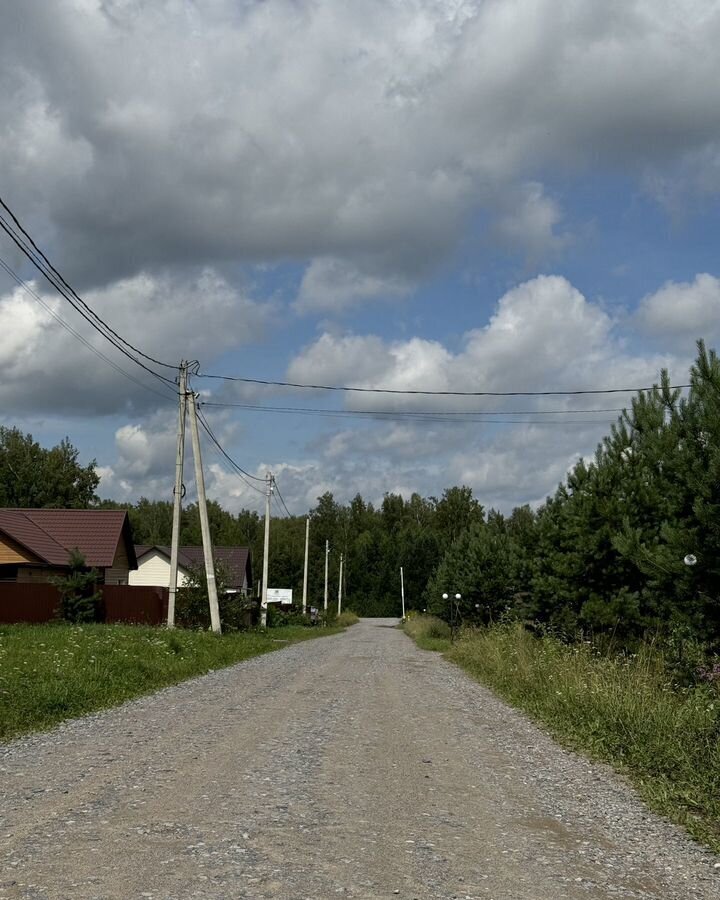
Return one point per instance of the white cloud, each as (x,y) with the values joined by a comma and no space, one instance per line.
(332,285)
(518,465)
(543,335)
(682,311)
(144,450)
(543,332)
(530,221)
(45,368)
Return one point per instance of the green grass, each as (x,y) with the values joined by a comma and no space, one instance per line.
(624,710)
(347,618)
(53,672)
(428,632)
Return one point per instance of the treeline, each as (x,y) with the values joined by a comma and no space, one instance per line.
(374,542)
(628,545)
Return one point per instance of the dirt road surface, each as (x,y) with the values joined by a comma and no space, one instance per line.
(351,766)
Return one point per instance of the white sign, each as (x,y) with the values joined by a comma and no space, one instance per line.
(279,595)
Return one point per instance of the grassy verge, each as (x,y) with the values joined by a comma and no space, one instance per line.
(624,710)
(428,632)
(53,672)
(347,618)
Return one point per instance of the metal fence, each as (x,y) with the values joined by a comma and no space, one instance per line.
(39,602)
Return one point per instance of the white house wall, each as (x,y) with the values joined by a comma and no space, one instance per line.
(154,570)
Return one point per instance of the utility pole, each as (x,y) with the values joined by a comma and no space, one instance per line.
(402,591)
(177,499)
(327,554)
(340,586)
(305,575)
(204,523)
(266,550)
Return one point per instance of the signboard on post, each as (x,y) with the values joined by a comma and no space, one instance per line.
(279,595)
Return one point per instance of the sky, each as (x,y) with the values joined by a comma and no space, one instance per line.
(437,195)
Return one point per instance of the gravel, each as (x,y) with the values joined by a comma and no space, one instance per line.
(352,766)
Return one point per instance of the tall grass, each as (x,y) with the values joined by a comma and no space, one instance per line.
(428,632)
(347,618)
(53,672)
(623,709)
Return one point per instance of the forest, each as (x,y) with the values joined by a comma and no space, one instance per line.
(627,544)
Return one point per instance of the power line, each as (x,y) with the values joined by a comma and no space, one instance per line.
(279,508)
(217,443)
(366,390)
(37,258)
(438,418)
(414,412)
(237,469)
(277,489)
(230,469)
(66,325)
(61,290)
(75,295)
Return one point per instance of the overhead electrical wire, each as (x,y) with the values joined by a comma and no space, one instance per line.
(414,412)
(68,327)
(63,292)
(228,466)
(277,489)
(212,435)
(440,418)
(29,248)
(279,508)
(367,390)
(237,469)
(32,251)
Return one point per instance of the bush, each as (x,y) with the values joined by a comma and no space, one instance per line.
(278,618)
(80,602)
(192,609)
(347,618)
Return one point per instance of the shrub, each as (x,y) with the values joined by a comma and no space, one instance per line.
(278,618)
(79,599)
(192,609)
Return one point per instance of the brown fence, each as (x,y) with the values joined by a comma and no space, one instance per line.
(135,603)
(28,602)
(121,603)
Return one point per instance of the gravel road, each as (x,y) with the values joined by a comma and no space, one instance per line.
(351,766)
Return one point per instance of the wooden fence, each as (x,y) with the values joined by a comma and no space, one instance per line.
(120,603)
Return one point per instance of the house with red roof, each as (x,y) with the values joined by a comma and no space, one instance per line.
(35,544)
(154,566)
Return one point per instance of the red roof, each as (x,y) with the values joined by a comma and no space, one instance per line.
(51,534)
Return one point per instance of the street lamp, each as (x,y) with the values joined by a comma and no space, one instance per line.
(454,611)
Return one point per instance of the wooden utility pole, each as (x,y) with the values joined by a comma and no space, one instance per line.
(305,574)
(204,523)
(178,493)
(327,554)
(266,550)
(340,586)
(402,591)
